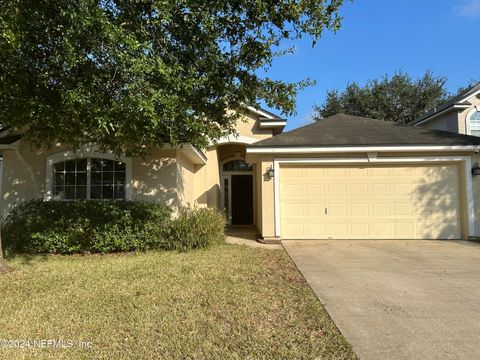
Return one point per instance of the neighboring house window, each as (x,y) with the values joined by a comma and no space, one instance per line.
(89,178)
(474,123)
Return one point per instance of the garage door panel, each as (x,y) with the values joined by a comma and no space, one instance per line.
(315,190)
(292,191)
(359,209)
(358,172)
(337,230)
(293,210)
(380,189)
(336,189)
(381,209)
(316,228)
(361,229)
(376,202)
(336,172)
(312,172)
(294,228)
(381,230)
(403,231)
(334,210)
(315,210)
(379,171)
(402,209)
(358,190)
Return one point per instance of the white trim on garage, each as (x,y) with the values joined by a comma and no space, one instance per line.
(355,149)
(466,160)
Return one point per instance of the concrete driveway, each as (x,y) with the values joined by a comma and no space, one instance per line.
(398,299)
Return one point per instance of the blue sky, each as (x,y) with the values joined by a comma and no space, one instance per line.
(379,37)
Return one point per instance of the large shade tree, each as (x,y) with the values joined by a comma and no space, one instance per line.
(398,98)
(133,74)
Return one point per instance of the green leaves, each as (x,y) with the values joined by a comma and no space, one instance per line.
(398,98)
(134,74)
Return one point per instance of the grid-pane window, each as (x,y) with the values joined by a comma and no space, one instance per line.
(475,124)
(226,191)
(89,178)
(70,179)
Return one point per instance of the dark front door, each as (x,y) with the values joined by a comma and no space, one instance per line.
(242,200)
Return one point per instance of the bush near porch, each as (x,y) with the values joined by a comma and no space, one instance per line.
(68,227)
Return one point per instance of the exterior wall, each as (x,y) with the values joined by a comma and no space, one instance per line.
(185,181)
(165,175)
(462,116)
(446,122)
(24,175)
(266,218)
(154,178)
(476,195)
(250,127)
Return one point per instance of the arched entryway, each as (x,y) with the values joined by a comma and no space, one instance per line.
(237,190)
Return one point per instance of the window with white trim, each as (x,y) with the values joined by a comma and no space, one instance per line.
(89,178)
(474,123)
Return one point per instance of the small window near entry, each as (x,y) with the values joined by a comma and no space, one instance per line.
(475,124)
(89,178)
(237,165)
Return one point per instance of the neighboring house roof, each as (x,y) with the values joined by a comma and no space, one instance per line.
(349,131)
(459,101)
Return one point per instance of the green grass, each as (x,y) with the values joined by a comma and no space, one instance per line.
(227,302)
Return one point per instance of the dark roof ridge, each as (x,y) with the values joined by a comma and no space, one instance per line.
(351,130)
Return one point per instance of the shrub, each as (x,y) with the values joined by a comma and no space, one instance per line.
(196,228)
(68,227)
(65,227)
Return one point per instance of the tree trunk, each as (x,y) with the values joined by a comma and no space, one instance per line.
(3,266)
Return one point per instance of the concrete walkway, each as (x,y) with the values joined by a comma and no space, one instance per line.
(398,299)
(247,235)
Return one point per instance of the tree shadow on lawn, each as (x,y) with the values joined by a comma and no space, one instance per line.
(24,259)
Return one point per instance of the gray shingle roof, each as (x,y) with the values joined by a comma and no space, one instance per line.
(456,100)
(348,130)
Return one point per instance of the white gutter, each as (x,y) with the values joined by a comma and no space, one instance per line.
(195,155)
(355,149)
(270,124)
(261,113)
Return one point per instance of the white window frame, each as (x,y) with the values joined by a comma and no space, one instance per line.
(86,152)
(469,115)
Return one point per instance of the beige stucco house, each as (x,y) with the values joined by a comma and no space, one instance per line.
(344,177)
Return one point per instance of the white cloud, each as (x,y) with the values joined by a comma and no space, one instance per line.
(468,8)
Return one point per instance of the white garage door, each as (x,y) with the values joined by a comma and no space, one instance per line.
(371,202)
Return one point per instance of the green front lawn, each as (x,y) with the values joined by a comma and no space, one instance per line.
(225,302)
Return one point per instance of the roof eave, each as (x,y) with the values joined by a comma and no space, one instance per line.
(268,124)
(13,146)
(441,112)
(359,149)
